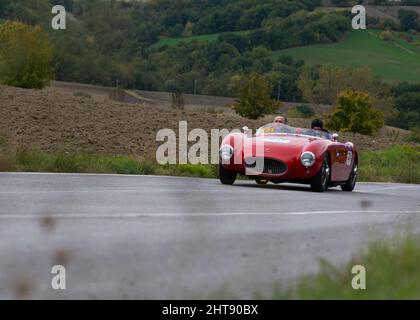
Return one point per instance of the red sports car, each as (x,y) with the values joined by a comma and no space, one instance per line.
(281,153)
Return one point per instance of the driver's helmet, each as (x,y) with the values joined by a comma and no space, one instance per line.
(317,124)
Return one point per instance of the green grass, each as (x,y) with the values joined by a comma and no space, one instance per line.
(22,160)
(394,61)
(392,272)
(167,41)
(397,164)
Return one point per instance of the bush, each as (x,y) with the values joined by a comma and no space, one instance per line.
(386,35)
(355,113)
(301,111)
(255,98)
(25,56)
(415,135)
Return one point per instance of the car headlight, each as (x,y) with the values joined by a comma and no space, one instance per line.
(226,153)
(307,159)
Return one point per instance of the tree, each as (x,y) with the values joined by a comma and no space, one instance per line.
(408,20)
(25,56)
(178,101)
(255,98)
(322,85)
(355,113)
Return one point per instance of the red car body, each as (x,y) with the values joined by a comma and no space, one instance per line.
(283,147)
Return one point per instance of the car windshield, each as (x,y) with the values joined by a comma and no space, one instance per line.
(278,128)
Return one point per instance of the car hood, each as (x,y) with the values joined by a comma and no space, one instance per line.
(280,145)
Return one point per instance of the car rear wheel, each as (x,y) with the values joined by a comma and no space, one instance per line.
(226,176)
(321,181)
(351,183)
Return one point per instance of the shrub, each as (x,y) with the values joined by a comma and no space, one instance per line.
(386,35)
(355,113)
(255,98)
(178,101)
(25,56)
(415,135)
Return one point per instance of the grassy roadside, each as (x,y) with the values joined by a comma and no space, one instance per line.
(33,161)
(396,164)
(391,273)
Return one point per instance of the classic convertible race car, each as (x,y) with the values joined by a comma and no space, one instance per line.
(280,153)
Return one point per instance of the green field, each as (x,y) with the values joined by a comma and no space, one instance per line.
(394,61)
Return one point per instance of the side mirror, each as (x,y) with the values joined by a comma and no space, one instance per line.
(335,136)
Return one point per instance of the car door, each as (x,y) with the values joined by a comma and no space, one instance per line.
(339,154)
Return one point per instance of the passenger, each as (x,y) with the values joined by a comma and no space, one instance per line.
(318,124)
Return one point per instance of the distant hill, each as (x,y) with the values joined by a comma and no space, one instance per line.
(394,61)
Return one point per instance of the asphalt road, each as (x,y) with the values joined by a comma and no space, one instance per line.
(174,238)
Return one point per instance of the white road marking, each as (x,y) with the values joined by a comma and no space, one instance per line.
(395,187)
(177,214)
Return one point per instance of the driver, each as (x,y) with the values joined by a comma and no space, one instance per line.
(280,119)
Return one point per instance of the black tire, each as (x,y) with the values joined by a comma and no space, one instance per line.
(351,183)
(226,176)
(321,181)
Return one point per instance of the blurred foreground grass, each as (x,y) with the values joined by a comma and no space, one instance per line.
(392,272)
(396,164)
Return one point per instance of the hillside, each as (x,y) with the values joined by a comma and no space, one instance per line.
(168,41)
(394,61)
(52,120)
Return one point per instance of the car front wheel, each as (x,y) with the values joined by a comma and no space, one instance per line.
(226,176)
(321,181)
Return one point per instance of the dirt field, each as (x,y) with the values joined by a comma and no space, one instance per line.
(51,120)
(162,99)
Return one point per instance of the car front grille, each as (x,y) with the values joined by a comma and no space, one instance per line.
(271,166)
